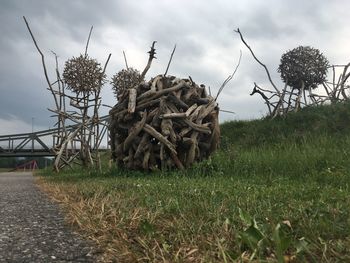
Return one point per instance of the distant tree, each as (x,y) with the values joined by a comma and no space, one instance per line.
(303,67)
(8,162)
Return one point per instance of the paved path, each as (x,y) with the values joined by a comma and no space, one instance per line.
(31,227)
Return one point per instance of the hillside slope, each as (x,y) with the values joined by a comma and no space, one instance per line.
(312,141)
(290,176)
(331,120)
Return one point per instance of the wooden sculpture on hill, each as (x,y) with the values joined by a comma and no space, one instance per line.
(304,72)
(163,123)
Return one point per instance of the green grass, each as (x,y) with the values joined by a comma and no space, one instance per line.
(293,171)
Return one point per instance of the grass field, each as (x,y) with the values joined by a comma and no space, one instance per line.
(276,191)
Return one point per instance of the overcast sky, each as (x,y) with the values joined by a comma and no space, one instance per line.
(207,47)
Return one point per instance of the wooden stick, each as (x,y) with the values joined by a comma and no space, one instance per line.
(227,111)
(43,63)
(135,130)
(132,100)
(88,40)
(151,131)
(197,127)
(171,57)
(177,161)
(152,53)
(229,78)
(179,103)
(257,60)
(142,145)
(162,92)
(125,60)
(173,115)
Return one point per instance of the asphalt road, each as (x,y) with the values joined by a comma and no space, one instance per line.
(32,229)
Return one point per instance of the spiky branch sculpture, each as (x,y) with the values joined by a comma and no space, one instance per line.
(83,78)
(302,69)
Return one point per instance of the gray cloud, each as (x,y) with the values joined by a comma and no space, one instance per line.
(207,47)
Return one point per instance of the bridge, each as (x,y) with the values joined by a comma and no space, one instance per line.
(37,144)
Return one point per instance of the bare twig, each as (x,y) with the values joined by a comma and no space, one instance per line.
(43,63)
(107,106)
(62,104)
(171,57)
(257,60)
(106,63)
(337,66)
(256,89)
(228,111)
(126,61)
(152,53)
(88,40)
(229,78)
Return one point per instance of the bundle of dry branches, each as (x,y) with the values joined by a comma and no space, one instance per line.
(164,123)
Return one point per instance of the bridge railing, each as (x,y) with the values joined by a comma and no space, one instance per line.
(39,143)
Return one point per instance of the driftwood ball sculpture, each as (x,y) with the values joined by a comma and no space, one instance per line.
(83,74)
(303,66)
(125,79)
(163,124)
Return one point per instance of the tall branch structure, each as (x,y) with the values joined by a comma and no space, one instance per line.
(77,101)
